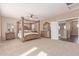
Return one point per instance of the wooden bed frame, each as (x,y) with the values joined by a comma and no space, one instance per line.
(21,27)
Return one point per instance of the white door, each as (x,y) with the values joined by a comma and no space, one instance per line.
(54,30)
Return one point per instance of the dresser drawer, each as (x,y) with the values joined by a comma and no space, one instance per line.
(10,35)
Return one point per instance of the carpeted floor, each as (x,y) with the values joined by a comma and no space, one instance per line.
(38,47)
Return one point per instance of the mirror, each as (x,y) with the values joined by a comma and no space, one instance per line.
(10,27)
(46,26)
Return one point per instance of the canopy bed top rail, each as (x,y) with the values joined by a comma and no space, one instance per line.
(26,21)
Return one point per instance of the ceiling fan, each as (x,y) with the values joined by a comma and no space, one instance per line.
(72,5)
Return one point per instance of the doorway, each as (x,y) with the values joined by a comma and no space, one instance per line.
(74,31)
(69,30)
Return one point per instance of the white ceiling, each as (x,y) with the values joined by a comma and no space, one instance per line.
(42,10)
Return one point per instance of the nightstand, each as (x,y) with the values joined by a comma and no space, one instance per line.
(45,34)
(10,35)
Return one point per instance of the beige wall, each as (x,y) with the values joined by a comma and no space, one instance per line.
(0,28)
(6,20)
(69,14)
(74,29)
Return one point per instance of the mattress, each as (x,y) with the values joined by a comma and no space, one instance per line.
(25,34)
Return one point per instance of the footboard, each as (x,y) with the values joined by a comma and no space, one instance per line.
(31,36)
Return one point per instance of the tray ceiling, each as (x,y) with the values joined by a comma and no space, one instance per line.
(40,10)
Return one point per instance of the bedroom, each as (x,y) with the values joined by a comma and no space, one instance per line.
(36,18)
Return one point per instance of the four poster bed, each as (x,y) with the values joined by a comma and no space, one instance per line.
(28,29)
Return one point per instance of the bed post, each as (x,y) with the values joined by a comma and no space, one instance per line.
(30,26)
(22,28)
(39,26)
(17,30)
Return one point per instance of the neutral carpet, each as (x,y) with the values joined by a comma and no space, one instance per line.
(38,47)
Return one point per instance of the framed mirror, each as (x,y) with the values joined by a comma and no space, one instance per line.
(46,26)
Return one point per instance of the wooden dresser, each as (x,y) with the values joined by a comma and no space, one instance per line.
(10,35)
